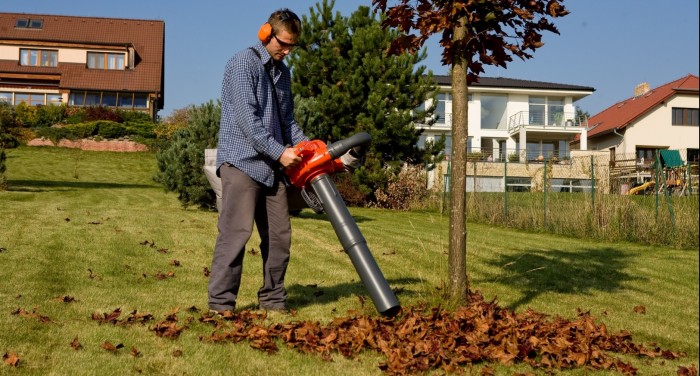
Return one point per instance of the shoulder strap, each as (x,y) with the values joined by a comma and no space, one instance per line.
(268,69)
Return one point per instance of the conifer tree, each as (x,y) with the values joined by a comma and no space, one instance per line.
(344,83)
(180,164)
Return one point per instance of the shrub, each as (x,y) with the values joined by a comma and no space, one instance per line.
(94,113)
(180,163)
(49,115)
(349,190)
(405,191)
(3,179)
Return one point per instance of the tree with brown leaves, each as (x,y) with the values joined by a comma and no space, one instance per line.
(474,33)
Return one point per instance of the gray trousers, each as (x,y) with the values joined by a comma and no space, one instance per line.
(244,202)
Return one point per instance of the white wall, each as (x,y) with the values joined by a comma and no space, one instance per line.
(655,129)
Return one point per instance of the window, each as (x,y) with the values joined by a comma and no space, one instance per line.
(555,111)
(546,111)
(646,156)
(38,58)
(105,60)
(441,108)
(493,111)
(514,184)
(685,116)
(131,101)
(54,99)
(6,97)
(692,155)
(29,23)
(31,99)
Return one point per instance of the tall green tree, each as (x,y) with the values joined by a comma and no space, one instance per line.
(344,83)
(473,33)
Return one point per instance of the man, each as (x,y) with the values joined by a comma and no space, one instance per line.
(257,130)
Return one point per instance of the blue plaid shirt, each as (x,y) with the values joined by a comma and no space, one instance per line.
(250,136)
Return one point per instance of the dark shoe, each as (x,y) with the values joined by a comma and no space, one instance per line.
(281,307)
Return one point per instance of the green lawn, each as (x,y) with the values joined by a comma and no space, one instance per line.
(85,233)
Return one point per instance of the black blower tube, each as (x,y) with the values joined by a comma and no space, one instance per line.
(352,240)
(349,234)
(339,148)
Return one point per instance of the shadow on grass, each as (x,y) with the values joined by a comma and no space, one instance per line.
(310,214)
(54,185)
(576,272)
(300,296)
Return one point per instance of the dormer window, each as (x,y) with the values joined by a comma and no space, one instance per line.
(105,60)
(29,23)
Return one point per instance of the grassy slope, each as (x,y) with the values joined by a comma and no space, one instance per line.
(104,237)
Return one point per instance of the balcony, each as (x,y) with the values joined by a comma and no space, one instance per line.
(560,121)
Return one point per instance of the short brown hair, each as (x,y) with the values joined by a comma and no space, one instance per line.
(285,19)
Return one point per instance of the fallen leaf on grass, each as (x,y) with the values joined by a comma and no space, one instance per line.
(161,276)
(75,344)
(11,359)
(640,309)
(206,271)
(107,317)
(65,299)
(110,347)
(687,371)
(135,352)
(168,329)
(175,263)
(32,315)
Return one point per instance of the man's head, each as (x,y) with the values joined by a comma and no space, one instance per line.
(280,33)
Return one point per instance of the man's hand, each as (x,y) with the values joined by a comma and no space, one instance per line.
(289,158)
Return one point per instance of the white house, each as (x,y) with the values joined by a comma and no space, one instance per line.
(520,119)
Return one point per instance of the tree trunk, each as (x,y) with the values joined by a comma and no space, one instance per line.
(458,284)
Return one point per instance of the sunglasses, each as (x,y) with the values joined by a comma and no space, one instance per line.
(284,45)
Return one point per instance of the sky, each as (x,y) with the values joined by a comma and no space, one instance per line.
(610,45)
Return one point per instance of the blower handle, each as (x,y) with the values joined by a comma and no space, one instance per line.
(338,148)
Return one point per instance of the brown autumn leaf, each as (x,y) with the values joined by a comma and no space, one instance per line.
(110,347)
(106,318)
(65,299)
(135,352)
(687,371)
(75,344)
(11,359)
(168,329)
(206,271)
(175,263)
(32,315)
(640,309)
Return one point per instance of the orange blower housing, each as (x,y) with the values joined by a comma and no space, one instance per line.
(315,161)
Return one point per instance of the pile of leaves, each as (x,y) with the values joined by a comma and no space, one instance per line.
(421,339)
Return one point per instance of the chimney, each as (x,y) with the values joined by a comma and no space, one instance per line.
(641,89)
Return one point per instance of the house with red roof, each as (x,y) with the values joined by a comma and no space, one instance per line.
(82,61)
(661,118)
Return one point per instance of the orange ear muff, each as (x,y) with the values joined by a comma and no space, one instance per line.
(265,32)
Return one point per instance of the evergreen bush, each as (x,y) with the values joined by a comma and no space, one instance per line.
(181,161)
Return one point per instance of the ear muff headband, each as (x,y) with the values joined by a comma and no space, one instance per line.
(265,32)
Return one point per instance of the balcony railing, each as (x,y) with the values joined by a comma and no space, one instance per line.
(559,120)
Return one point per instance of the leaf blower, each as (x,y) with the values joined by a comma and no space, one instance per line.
(318,163)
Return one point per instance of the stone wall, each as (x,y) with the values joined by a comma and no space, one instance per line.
(87,144)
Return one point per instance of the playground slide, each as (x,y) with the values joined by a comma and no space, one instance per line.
(641,188)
